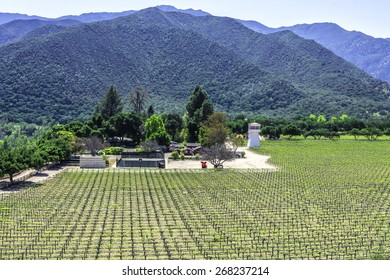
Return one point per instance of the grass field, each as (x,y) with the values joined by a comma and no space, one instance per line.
(327,200)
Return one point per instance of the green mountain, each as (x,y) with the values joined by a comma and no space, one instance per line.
(8,17)
(15,26)
(61,74)
(366,52)
(16,29)
(95,17)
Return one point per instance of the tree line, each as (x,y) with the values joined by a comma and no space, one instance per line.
(319,127)
(18,153)
(110,125)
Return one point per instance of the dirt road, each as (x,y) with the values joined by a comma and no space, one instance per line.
(251,160)
(37,178)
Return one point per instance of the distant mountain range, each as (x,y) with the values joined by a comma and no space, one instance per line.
(99,16)
(59,70)
(368,53)
(16,29)
(8,17)
(15,26)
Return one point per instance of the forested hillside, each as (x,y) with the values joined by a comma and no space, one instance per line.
(18,28)
(330,82)
(368,53)
(60,74)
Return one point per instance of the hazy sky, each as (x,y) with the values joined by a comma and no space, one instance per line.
(369,16)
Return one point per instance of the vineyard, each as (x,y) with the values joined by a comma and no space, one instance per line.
(326,200)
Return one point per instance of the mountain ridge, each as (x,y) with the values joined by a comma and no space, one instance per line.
(168,53)
(92,53)
(366,52)
(9,21)
(14,30)
(8,17)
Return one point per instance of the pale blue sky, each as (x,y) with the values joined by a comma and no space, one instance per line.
(369,16)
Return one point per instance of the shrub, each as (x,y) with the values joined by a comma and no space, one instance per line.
(355,132)
(371,133)
(113,151)
(175,155)
(291,130)
(105,158)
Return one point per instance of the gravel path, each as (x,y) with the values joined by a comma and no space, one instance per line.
(37,178)
(46,174)
(251,160)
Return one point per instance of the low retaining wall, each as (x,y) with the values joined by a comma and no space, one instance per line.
(92,162)
(145,163)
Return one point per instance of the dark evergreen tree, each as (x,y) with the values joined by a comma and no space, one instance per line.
(173,125)
(207,109)
(110,105)
(193,131)
(195,104)
(199,108)
(150,111)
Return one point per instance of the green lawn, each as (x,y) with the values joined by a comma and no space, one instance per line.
(327,200)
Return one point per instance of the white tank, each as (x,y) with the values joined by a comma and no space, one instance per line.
(253,135)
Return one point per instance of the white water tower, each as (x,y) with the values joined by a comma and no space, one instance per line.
(253,135)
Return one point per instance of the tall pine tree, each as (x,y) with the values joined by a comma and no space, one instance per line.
(199,108)
(110,105)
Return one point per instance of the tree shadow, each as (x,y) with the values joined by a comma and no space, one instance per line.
(40,175)
(6,186)
(18,186)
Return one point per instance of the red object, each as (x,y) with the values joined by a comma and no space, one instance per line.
(204,164)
